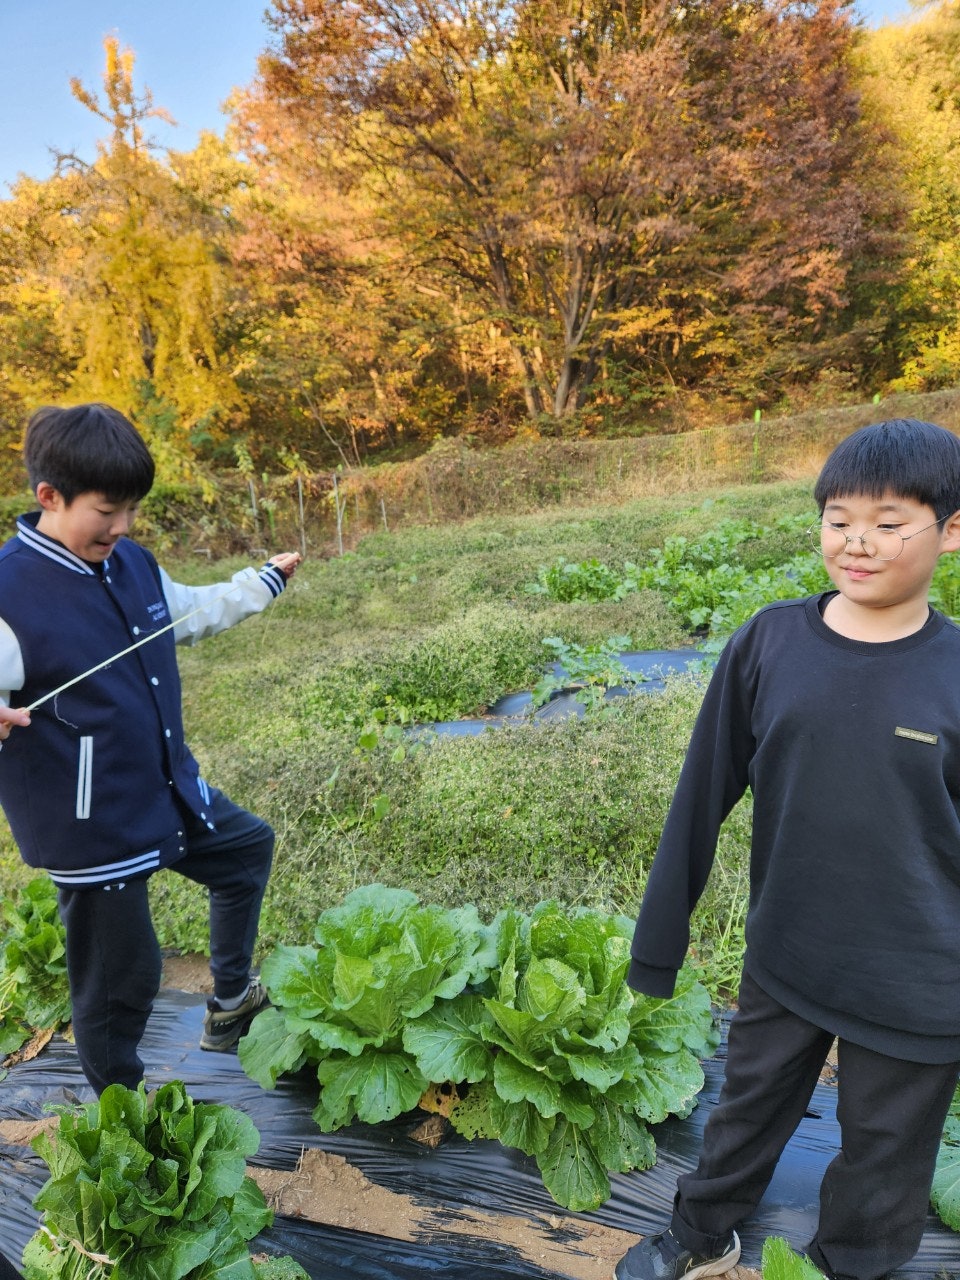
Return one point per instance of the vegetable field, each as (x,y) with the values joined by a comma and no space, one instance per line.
(445,913)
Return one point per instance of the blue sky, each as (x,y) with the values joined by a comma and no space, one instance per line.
(191,54)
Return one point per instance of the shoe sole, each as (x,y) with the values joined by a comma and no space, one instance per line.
(716,1267)
(225,1046)
(213,1045)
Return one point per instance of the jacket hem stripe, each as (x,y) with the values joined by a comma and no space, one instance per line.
(73,878)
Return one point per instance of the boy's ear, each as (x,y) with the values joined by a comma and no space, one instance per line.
(50,499)
(951,534)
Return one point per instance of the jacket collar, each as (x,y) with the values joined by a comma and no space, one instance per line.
(28,532)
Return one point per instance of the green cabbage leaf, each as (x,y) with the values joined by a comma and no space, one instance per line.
(576,1065)
(530,1016)
(381,961)
(147,1188)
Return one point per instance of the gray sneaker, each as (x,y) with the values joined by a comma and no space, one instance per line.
(663,1257)
(222,1028)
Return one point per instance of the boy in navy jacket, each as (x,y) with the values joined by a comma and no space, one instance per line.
(98,785)
(841,713)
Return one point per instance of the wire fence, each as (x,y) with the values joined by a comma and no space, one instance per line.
(328,512)
(455,481)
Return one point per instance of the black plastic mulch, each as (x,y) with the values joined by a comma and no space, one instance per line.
(481,1175)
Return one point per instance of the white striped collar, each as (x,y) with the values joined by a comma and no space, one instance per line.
(28,532)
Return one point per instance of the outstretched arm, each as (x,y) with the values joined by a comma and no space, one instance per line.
(713,778)
(205,611)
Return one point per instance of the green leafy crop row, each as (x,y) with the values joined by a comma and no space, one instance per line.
(532,1013)
(710,582)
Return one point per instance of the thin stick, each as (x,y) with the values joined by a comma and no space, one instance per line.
(123,652)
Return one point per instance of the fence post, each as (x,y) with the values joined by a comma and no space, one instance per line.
(336,499)
(253,507)
(303,526)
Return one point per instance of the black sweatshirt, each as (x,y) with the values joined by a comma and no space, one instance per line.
(852,752)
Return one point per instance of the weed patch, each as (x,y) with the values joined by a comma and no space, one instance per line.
(458,668)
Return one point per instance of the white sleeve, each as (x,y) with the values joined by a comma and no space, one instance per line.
(12,675)
(204,611)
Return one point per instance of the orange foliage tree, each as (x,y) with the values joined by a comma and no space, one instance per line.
(673,186)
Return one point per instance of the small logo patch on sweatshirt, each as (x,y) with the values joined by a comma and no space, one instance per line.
(917,735)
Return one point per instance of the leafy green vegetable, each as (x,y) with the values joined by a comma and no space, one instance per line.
(34,993)
(709,586)
(593,669)
(779,1262)
(382,960)
(589,580)
(945,1192)
(278,1269)
(532,1012)
(576,1065)
(147,1188)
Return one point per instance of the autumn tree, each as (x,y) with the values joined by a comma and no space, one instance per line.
(342,345)
(594,173)
(912,84)
(118,264)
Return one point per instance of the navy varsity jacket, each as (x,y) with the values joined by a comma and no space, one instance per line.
(95,789)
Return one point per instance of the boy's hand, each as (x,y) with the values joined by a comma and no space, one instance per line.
(9,716)
(287,562)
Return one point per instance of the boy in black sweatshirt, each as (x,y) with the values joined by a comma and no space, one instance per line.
(98,785)
(841,713)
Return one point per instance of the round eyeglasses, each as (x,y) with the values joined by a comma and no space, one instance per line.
(880,543)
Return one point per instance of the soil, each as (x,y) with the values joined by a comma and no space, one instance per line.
(187,973)
(326,1188)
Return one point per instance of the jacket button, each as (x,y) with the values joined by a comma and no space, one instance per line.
(154,680)
(211,826)
(166,733)
(136,631)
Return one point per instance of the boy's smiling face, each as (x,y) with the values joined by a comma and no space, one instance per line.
(89,526)
(904,582)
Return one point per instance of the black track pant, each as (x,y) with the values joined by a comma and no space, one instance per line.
(874,1195)
(113,958)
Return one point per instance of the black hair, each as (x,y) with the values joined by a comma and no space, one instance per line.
(903,457)
(89,448)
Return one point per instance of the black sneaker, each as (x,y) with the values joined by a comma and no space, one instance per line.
(663,1257)
(222,1028)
